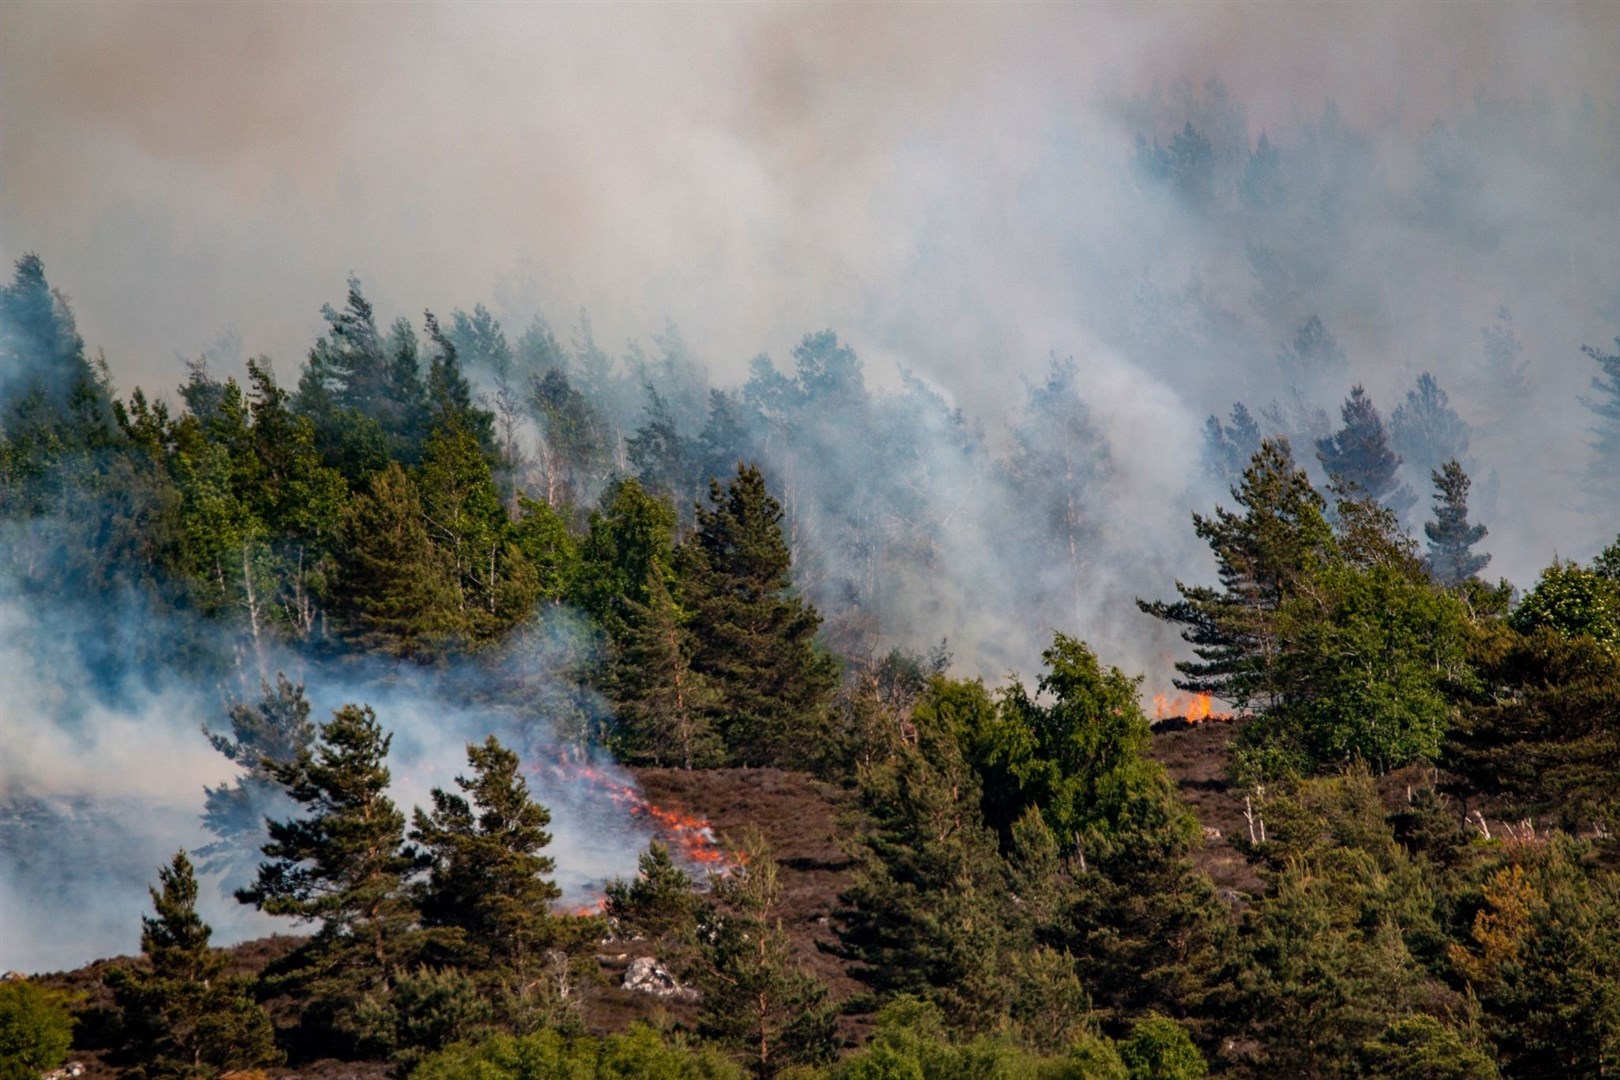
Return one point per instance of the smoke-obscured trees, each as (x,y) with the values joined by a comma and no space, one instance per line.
(275,731)
(1451,536)
(1602,475)
(1358,454)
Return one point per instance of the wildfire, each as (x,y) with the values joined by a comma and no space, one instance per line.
(690,838)
(1192,707)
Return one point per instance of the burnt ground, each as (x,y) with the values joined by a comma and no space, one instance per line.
(1199,760)
(805,823)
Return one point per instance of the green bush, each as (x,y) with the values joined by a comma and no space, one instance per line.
(1160,1049)
(640,1054)
(36,1029)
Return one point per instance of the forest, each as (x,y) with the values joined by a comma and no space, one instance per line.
(648,576)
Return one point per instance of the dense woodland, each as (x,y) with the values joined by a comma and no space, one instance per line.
(1427,755)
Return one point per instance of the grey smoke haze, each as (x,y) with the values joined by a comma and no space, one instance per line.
(103,770)
(950,187)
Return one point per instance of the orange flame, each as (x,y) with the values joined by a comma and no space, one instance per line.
(1191,707)
(691,839)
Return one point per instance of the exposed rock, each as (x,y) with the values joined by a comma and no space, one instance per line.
(646,975)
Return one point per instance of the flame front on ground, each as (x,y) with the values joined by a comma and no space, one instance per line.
(1191,707)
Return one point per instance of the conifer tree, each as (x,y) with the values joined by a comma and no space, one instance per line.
(1451,538)
(341,865)
(1264,556)
(450,401)
(488,879)
(1358,454)
(663,707)
(659,903)
(182,1015)
(924,911)
(756,999)
(396,591)
(756,639)
(630,542)
(1602,475)
(1425,430)
(272,732)
(1228,448)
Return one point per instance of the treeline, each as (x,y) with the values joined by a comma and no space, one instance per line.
(1426,756)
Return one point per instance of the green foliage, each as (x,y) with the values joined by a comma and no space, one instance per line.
(1264,556)
(630,542)
(1451,538)
(1543,735)
(639,1054)
(398,595)
(1330,956)
(487,879)
(756,639)
(1081,759)
(660,903)
(913,1043)
(182,1016)
(1158,1048)
(36,1029)
(923,914)
(1369,658)
(1574,602)
(755,999)
(663,707)
(341,865)
(425,1010)
(1422,1048)
(1543,958)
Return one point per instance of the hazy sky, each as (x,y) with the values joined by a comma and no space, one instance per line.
(749,170)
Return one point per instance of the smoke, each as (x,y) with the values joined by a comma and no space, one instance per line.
(959,191)
(105,762)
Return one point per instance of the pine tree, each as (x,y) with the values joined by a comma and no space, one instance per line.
(1451,538)
(467,525)
(342,865)
(450,402)
(272,732)
(488,878)
(1602,476)
(630,542)
(182,1016)
(1264,556)
(756,999)
(924,912)
(659,903)
(1358,453)
(396,591)
(1426,431)
(756,639)
(663,707)
(1228,448)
